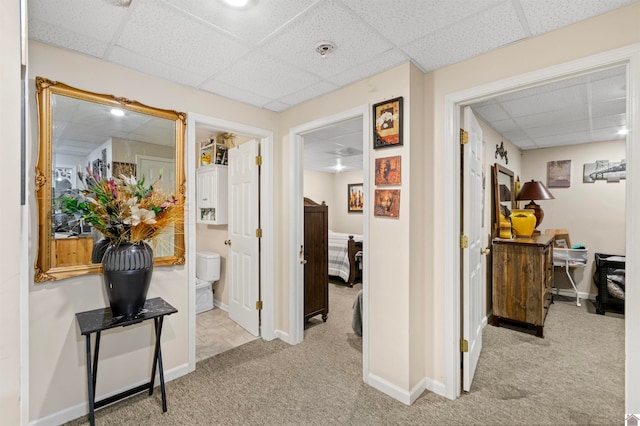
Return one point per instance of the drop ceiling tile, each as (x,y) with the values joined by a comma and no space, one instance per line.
(59,36)
(382,62)
(277,106)
(310,92)
(547,15)
(355,41)
(618,106)
(516,135)
(236,93)
(616,121)
(605,135)
(490,112)
(414,17)
(570,97)
(557,129)
(566,139)
(580,112)
(609,89)
(266,76)
(95,19)
(503,126)
(150,66)
(178,39)
(251,25)
(470,37)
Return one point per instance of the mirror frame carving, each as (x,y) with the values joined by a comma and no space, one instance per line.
(497,170)
(44,90)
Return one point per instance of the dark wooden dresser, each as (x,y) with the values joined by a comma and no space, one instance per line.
(316,257)
(522,279)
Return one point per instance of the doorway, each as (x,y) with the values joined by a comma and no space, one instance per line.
(630,57)
(196,125)
(296,230)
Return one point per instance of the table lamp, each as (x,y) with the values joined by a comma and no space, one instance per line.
(534,190)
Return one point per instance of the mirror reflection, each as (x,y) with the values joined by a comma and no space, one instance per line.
(504,196)
(83,133)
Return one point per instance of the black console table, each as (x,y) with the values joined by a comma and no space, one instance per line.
(102,319)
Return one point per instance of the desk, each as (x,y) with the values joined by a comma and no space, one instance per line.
(98,320)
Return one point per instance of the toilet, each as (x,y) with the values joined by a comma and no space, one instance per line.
(207,272)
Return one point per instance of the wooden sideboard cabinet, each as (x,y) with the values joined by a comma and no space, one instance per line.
(522,279)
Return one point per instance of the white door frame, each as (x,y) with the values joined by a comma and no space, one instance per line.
(629,55)
(296,230)
(266,221)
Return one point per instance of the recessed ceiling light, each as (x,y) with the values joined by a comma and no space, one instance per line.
(239,4)
(623,131)
(117,112)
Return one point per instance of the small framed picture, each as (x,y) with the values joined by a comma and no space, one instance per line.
(387,203)
(388,171)
(355,197)
(559,174)
(387,123)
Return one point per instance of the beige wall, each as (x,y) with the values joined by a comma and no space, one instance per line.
(56,348)
(593,213)
(388,269)
(11,247)
(612,30)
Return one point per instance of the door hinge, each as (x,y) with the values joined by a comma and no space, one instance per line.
(259,305)
(464,345)
(464,137)
(259,160)
(464,241)
(259,233)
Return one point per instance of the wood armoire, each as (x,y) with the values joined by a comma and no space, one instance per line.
(316,257)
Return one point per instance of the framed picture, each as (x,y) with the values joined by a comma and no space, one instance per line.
(559,174)
(387,123)
(127,169)
(387,203)
(355,197)
(388,171)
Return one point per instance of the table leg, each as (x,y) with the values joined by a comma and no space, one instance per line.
(90,381)
(157,360)
(95,362)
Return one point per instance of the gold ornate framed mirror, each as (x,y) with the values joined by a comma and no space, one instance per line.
(83,132)
(503,195)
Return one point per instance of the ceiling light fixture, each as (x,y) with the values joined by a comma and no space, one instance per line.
(324,48)
(623,131)
(338,166)
(117,112)
(239,4)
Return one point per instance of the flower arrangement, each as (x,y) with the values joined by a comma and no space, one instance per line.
(123,209)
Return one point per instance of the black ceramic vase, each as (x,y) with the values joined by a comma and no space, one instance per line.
(127,269)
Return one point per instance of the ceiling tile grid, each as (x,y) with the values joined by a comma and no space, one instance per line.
(178,39)
(219,88)
(266,76)
(470,37)
(318,89)
(382,62)
(252,25)
(327,21)
(548,15)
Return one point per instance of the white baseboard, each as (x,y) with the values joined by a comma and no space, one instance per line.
(220,305)
(395,392)
(570,293)
(284,336)
(82,409)
(435,386)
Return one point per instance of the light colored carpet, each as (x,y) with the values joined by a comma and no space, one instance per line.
(575,375)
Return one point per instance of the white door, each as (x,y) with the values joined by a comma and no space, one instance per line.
(164,170)
(473,282)
(244,257)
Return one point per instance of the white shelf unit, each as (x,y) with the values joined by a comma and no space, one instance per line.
(211,186)
(215,153)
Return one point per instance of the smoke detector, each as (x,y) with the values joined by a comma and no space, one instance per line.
(325,47)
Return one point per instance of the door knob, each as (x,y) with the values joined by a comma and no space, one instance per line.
(227,242)
(485,251)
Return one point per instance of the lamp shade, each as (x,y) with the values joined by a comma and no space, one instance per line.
(534,190)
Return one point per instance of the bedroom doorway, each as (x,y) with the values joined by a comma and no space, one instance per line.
(296,209)
(625,56)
